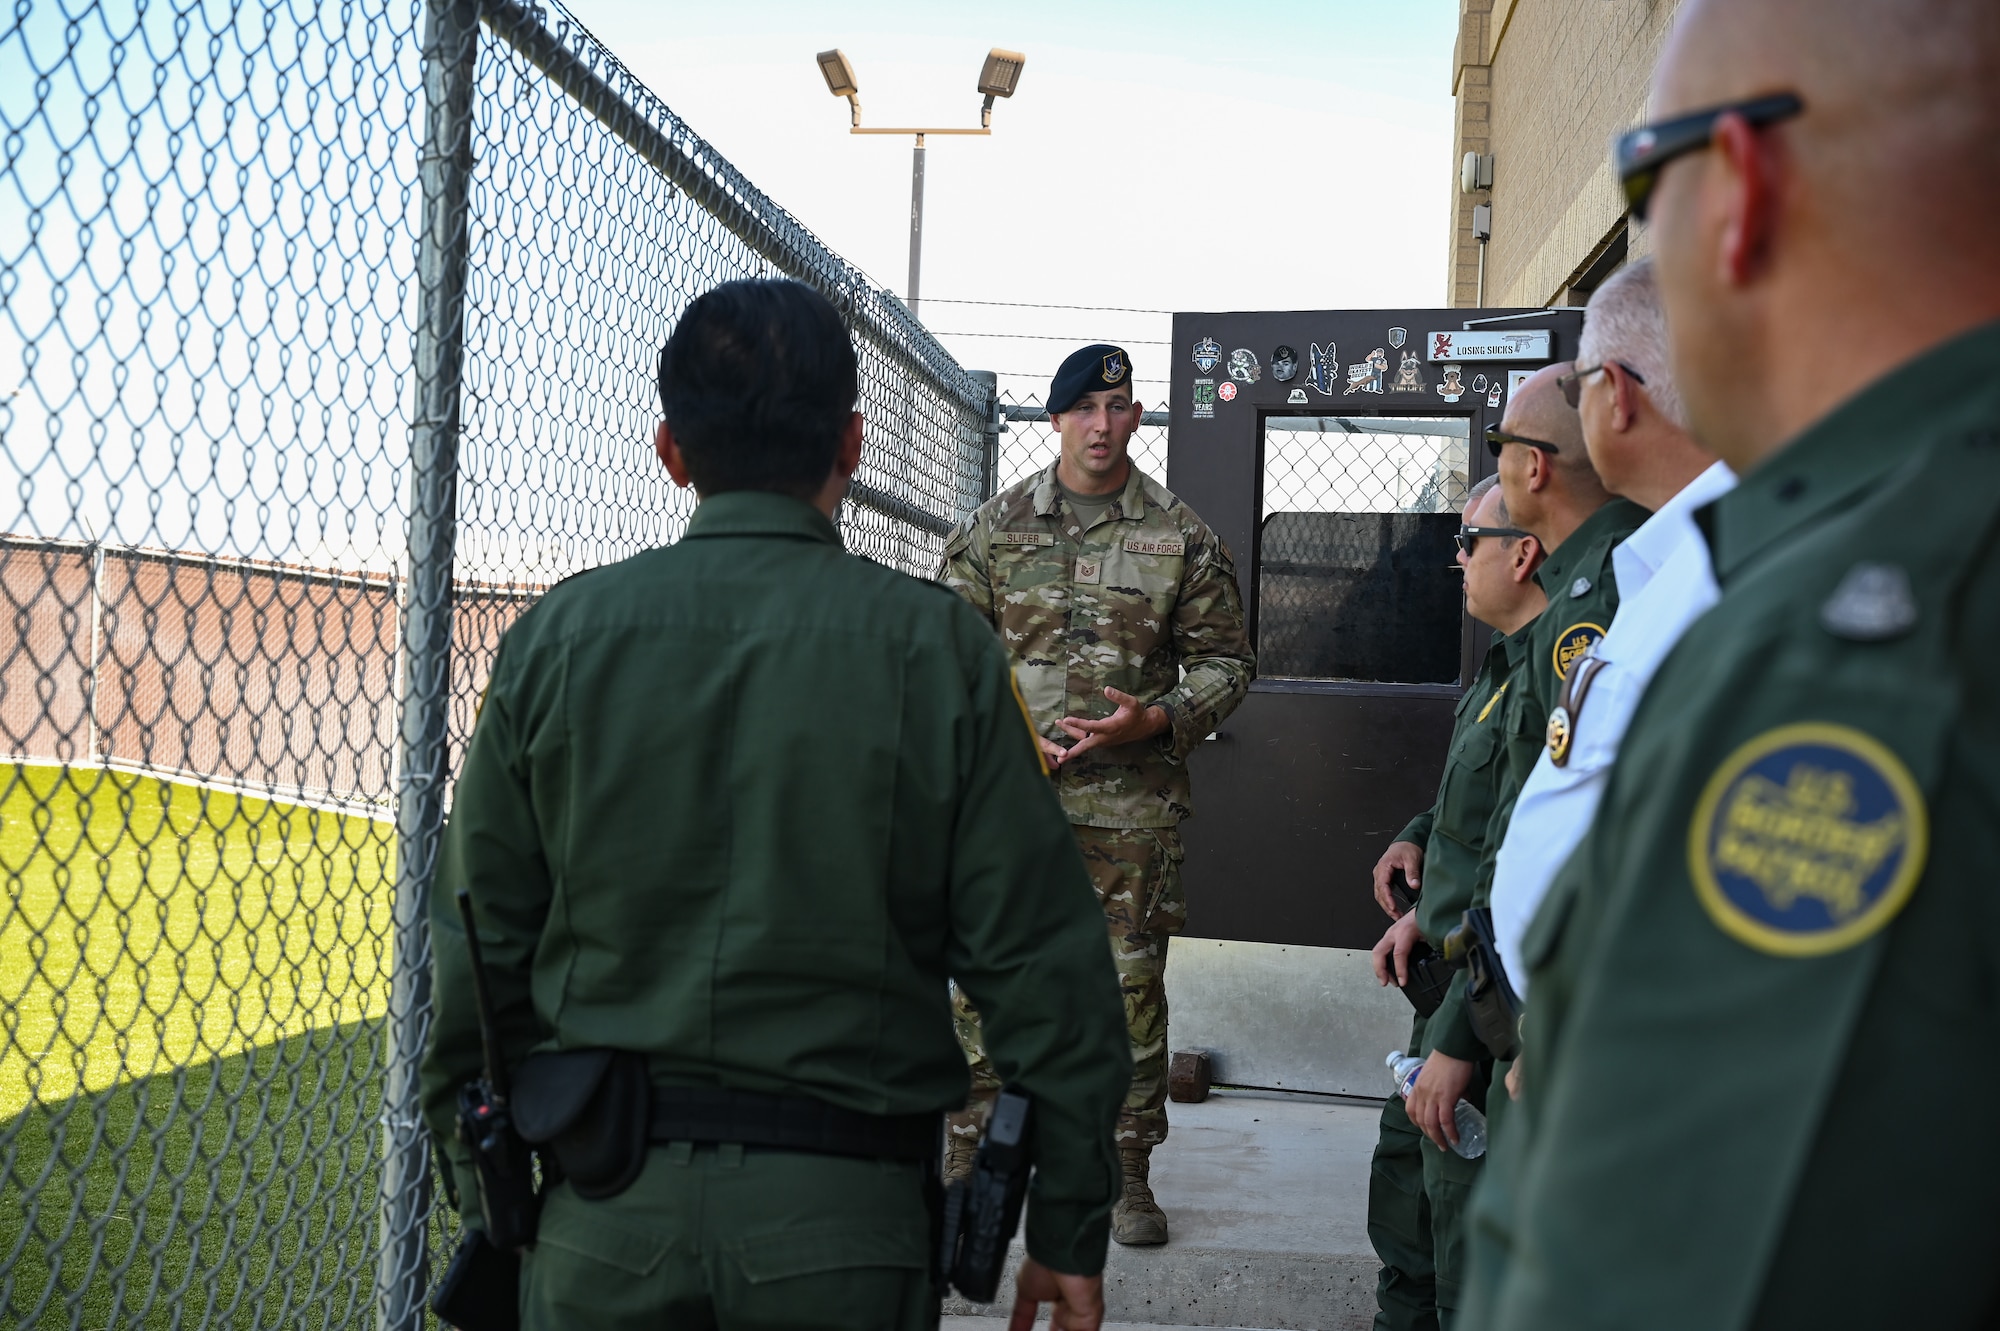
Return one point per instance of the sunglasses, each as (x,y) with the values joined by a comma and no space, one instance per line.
(1641,153)
(1467,537)
(1572,383)
(1495,436)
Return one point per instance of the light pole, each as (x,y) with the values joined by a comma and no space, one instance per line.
(997,78)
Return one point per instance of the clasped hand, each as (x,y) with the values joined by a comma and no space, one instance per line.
(1130,723)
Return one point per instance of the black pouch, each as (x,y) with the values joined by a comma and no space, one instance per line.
(591,1108)
(1490,1001)
(1430,977)
(481,1289)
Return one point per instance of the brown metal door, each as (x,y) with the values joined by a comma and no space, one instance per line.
(1336,475)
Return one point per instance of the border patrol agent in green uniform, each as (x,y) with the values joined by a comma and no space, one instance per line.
(740,806)
(1552,491)
(1121,612)
(1764,988)
(1415,1201)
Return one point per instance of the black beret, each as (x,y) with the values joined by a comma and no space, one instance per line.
(1090,370)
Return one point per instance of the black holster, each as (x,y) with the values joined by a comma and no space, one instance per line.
(1490,1001)
(982,1212)
(1430,977)
(481,1289)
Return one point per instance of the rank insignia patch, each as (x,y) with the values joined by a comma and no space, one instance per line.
(1807,840)
(1574,642)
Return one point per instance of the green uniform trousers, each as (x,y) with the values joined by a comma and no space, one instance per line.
(1448,1180)
(1399,1219)
(1399,1225)
(1137,874)
(729,1238)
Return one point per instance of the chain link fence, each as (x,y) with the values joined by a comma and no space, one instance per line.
(1029,444)
(1356,578)
(326,346)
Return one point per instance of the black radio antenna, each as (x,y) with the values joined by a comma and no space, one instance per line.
(489,1037)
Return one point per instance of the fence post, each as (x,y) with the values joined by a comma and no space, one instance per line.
(451,48)
(988,479)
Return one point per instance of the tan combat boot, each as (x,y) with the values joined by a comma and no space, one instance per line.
(1137,1220)
(963,1128)
(959,1153)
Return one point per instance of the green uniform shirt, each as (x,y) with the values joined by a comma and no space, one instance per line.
(743,803)
(1582,586)
(1765,987)
(1143,600)
(1453,830)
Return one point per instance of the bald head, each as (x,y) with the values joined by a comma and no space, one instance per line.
(1895,90)
(1810,257)
(1549,494)
(1539,411)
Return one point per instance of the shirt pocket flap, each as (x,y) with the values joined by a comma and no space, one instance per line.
(1477,747)
(835,1246)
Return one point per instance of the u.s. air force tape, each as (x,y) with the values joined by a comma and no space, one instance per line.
(1807,840)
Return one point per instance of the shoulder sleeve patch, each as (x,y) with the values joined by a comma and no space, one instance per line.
(1573,642)
(1155,545)
(1807,840)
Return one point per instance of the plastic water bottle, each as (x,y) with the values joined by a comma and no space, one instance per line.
(1470,1122)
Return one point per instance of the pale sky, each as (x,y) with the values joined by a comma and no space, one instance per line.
(1165,155)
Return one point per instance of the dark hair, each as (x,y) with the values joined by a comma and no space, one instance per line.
(758,381)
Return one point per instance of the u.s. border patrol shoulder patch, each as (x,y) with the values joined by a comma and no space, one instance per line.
(1807,839)
(1573,642)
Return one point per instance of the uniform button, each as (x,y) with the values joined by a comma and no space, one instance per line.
(1792,488)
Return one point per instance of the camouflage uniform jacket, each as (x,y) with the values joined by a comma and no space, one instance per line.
(1144,601)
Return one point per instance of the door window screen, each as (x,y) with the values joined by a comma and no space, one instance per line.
(1356,578)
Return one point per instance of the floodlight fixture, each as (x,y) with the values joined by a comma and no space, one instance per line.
(997,78)
(840,80)
(1001,72)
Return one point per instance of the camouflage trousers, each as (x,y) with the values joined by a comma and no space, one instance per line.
(1137,874)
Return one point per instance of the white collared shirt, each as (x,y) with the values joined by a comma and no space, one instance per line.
(1665,583)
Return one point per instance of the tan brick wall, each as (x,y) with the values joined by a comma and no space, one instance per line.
(269,675)
(1543,85)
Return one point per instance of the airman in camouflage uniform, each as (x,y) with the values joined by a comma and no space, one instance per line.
(1121,612)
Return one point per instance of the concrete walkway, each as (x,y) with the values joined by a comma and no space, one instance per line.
(1266,1196)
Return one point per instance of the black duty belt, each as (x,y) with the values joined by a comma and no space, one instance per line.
(707,1115)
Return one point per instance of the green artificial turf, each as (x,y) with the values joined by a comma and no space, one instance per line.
(240,1192)
(191,988)
(151,924)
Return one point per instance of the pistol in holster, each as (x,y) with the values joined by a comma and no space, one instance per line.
(1490,1001)
(1430,978)
(982,1212)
